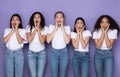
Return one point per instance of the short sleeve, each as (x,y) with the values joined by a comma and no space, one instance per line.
(113,34)
(87,33)
(45,30)
(73,35)
(50,29)
(23,35)
(67,29)
(6,32)
(95,35)
(27,28)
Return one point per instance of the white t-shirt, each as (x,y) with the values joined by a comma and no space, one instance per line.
(36,45)
(13,44)
(112,34)
(86,33)
(58,41)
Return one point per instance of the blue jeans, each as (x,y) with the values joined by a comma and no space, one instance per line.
(14,63)
(104,63)
(58,59)
(81,64)
(36,63)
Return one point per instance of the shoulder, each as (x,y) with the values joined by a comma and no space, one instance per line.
(7,30)
(87,31)
(113,30)
(22,30)
(67,27)
(73,34)
(97,31)
(45,28)
(51,26)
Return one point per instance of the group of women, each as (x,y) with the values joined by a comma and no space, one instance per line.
(105,32)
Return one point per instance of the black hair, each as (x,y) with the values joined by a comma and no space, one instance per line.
(79,18)
(31,22)
(113,23)
(60,13)
(17,15)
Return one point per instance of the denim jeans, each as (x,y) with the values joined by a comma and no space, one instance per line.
(14,63)
(104,63)
(58,62)
(36,63)
(81,64)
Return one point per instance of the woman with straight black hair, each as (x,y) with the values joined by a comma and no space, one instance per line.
(14,38)
(80,41)
(105,32)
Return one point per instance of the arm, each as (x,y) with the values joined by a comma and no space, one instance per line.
(99,42)
(41,37)
(75,42)
(30,35)
(50,36)
(19,38)
(6,38)
(110,42)
(83,41)
(66,36)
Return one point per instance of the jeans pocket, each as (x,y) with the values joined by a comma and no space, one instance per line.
(109,54)
(30,53)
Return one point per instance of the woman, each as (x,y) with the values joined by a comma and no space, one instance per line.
(14,38)
(80,41)
(36,34)
(104,35)
(59,35)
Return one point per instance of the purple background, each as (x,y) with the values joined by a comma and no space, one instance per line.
(90,10)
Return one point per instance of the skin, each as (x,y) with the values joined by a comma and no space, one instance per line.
(105,27)
(80,28)
(37,28)
(15,25)
(59,23)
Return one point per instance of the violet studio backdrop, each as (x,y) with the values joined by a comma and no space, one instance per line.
(90,10)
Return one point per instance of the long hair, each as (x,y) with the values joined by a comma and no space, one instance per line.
(79,18)
(31,22)
(113,24)
(17,15)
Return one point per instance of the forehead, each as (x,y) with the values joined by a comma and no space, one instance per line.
(37,14)
(16,17)
(79,20)
(104,19)
(59,14)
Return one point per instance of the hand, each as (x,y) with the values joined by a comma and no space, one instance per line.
(107,29)
(56,26)
(37,27)
(13,28)
(82,29)
(62,26)
(77,30)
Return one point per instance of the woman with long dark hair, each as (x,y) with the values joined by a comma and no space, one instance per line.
(36,34)
(14,38)
(80,41)
(105,32)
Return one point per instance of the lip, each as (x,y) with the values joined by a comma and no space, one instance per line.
(36,21)
(14,24)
